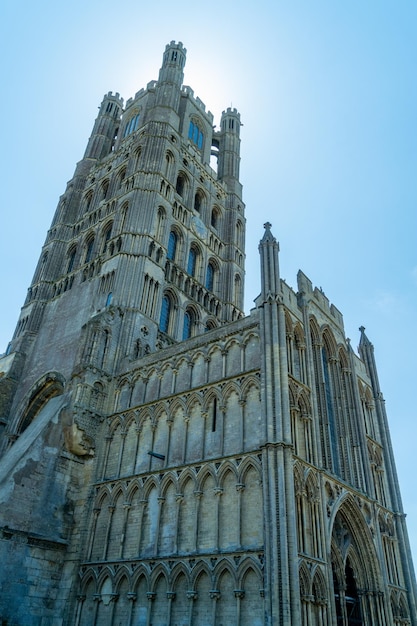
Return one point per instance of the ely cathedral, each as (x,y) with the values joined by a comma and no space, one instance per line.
(165,459)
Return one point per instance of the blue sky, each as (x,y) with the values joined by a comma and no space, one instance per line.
(327,92)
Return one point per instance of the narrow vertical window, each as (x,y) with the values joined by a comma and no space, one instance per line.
(89,251)
(186,332)
(71,260)
(192,259)
(210,277)
(330,412)
(172,246)
(214,416)
(165,314)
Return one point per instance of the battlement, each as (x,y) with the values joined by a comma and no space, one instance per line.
(189,93)
(114,96)
(316,294)
(173,44)
(231,111)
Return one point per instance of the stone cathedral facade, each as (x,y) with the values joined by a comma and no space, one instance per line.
(166,460)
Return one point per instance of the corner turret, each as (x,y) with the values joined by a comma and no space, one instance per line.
(229,145)
(171,76)
(105,128)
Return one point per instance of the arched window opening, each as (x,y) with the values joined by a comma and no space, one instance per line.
(192,262)
(71,259)
(88,199)
(104,189)
(214,218)
(210,276)
(165,314)
(197,201)
(107,235)
(89,250)
(195,134)
(132,125)
(172,245)
(180,185)
(109,299)
(188,324)
(238,290)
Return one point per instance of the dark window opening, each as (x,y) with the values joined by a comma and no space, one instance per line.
(172,246)
(192,260)
(165,314)
(214,416)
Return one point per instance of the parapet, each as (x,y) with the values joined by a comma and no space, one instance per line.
(316,294)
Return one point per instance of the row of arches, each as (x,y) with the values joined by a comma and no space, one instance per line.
(224,595)
(220,360)
(213,424)
(213,510)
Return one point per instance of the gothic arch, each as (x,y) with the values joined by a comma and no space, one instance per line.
(47,387)
(355,563)
(226,467)
(248,464)
(169,479)
(224,565)
(134,487)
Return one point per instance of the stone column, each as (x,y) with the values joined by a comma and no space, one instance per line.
(198,495)
(131,596)
(214,595)
(151,595)
(96,512)
(171,598)
(80,603)
(106,539)
(191,595)
(239,595)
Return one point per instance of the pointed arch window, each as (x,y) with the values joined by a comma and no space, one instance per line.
(180,185)
(165,314)
(192,262)
(89,250)
(172,245)
(214,218)
(210,276)
(71,259)
(188,323)
(197,201)
(195,134)
(107,235)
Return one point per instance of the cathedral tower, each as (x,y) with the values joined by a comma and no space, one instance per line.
(163,458)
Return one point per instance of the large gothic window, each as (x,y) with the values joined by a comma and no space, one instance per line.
(132,125)
(330,410)
(195,134)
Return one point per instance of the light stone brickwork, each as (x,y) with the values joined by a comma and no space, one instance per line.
(164,459)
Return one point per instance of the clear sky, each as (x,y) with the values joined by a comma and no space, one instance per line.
(327,92)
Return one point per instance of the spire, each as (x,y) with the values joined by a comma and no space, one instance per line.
(364,341)
(270,279)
